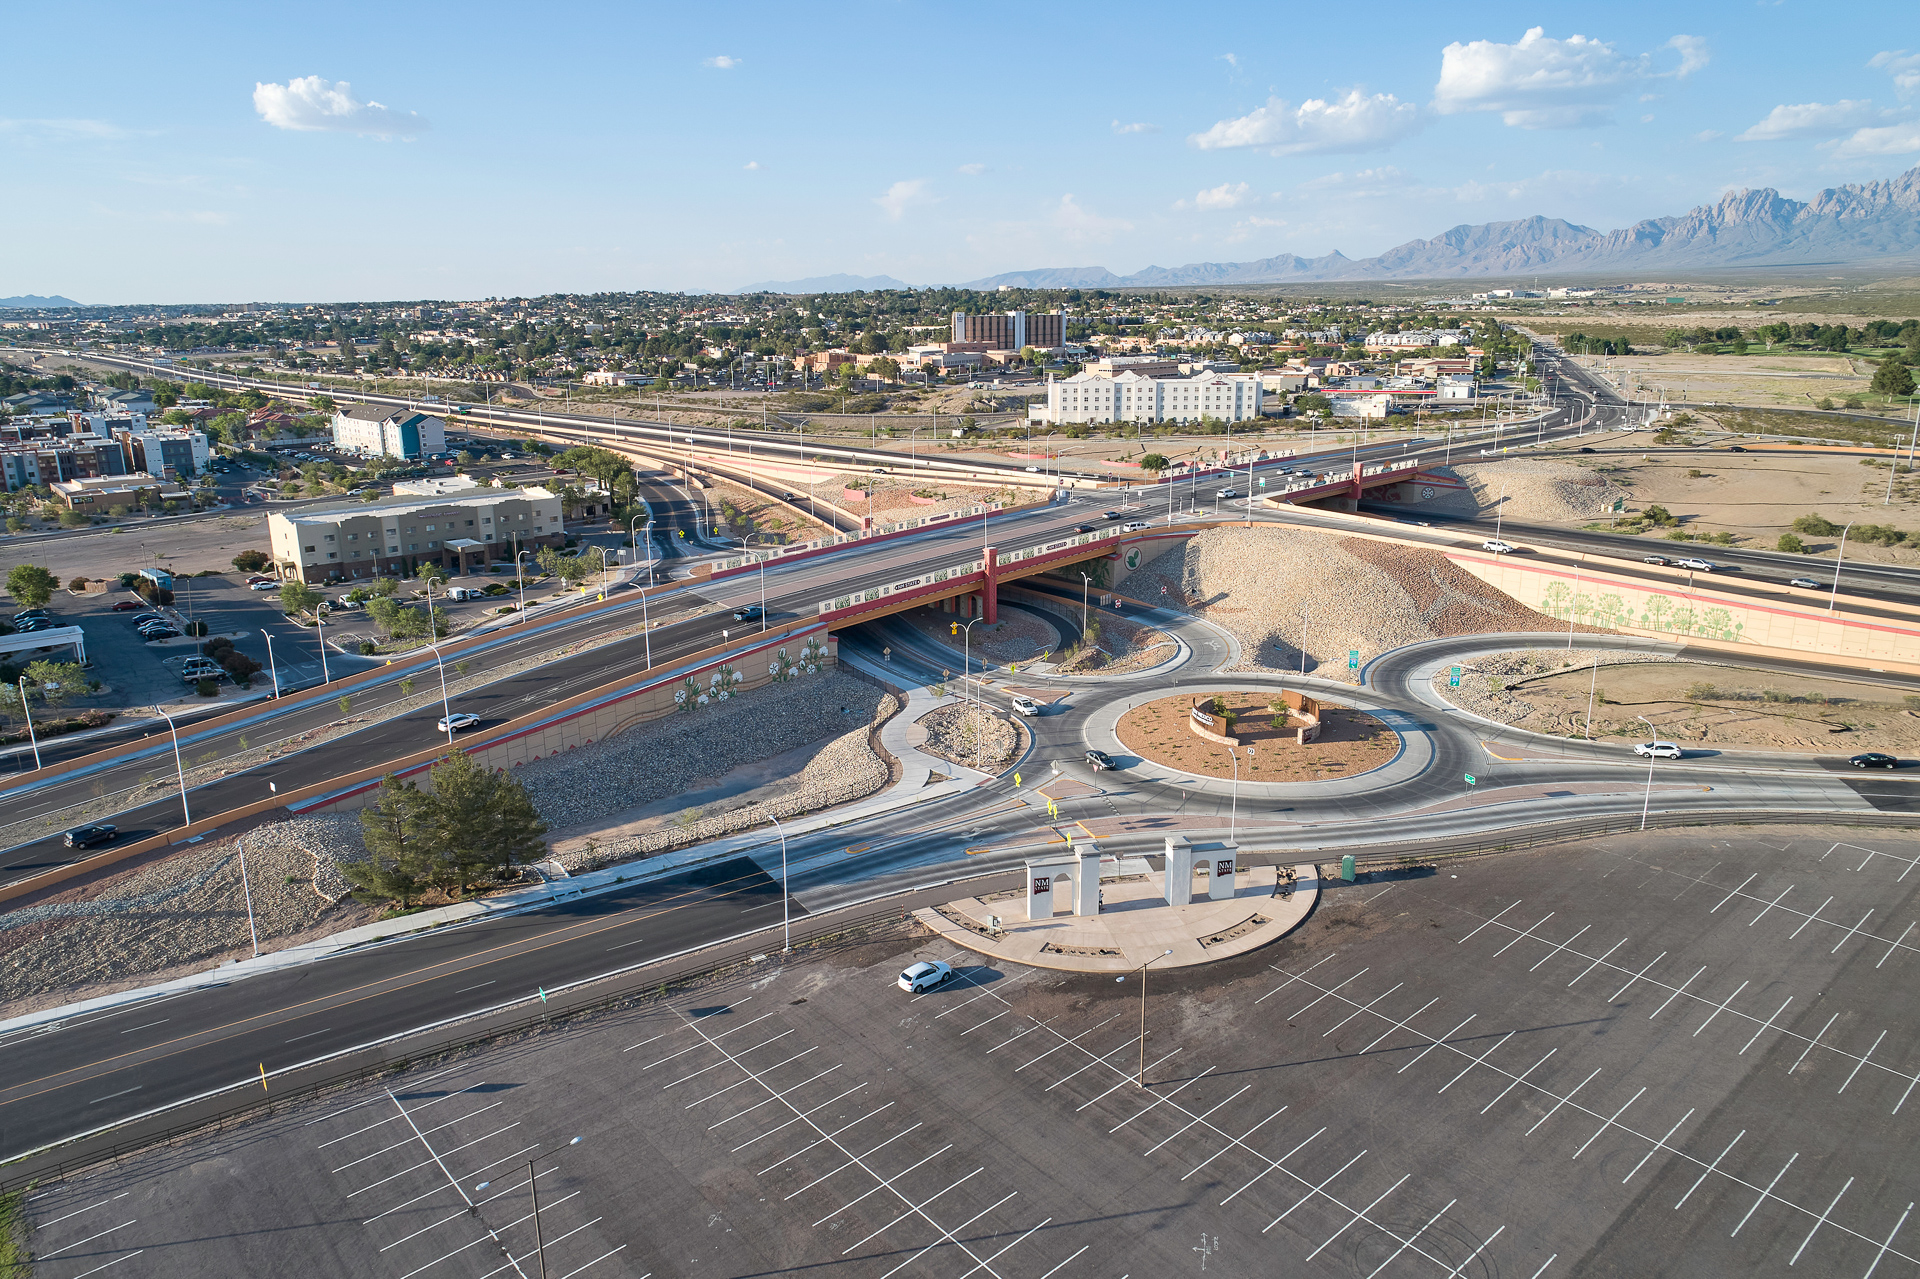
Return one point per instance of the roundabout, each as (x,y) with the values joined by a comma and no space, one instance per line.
(1269,742)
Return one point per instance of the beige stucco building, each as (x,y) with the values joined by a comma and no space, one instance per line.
(463,533)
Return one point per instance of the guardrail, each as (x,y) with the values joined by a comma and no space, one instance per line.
(849,539)
(853,599)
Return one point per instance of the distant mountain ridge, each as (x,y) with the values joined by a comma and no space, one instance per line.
(1851,223)
(34,302)
(839,283)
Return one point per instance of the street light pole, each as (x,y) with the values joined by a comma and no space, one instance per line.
(1653,735)
(28,712)
(1233,812)
(539,1240)
(1086,584)
(180,768)
(521,579)
(1833,595)
(433,642)
(247,889)
(1141,1080)
(786,900)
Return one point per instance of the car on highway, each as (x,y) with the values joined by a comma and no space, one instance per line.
(88,836)
(1657,750)
(1805,583)
(1025,705)
(1083,528)
(1116,515)
(1697,565)
(1228,493)
(457,722)
(1497,546)
(1874,759)
(1098,760)
(746,613)
(1735,449)
(127,606)
(1655,559)
(925,975)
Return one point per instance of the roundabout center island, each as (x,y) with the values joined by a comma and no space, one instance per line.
(1267,737)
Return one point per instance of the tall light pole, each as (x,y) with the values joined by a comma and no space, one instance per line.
(521,578)
(247,889)
(1833,595)
(1141,1081)
(1086,585)
(271,667)
(539,1240)
(966,650)
(28,712)
(1653,735)
(1233,812)
(786,900)
(180,768)
(433,642)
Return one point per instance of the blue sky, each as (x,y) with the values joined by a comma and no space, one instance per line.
(351,151)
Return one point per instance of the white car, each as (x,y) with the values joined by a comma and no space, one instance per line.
(1026,705)
(1497,546)
(925,975)
(1657,750)
(1135,526)
(1228,493)
(264,586)
(1697,565)
(457,722)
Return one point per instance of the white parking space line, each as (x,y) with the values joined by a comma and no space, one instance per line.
(1018,1240)
(1676,993)
(1394,1255)
(1708,1171)
(1768,1192)
(1358,1216)
(1561,1102)
(1811,1042)
(1004,1012)
(1124,1082)
(394,1119)
(1157,1100)
(1064,1043)
(597,1260)
(880,1183)
(1896,946)
(1315,1190)
(1659,1145)
(1196,1119)
(1770,905)
(1609,1123)
(1809,919)
(957,1229)
(1460,1269)
(797,1118)
(914,1209)
(1519,936)
(1516,1080)
(1850,932)
(1764,1027)
(45,1256)
(1090,1065)
(1397,1025)
(1562,946)
(1328,993)
(1863,1061)
(435,1159)
(1722,1008)
(1614,997)
(417,1085)
(513,1263)
(1823,1221)
(1049,1274)
(769,1101)
(1476,1061)
(751,1079)
(716,1065)
(828,1137)
(1292,979)
(1596,963)
(1735,893)
(409,1141)
(77,1211)
(1363,1008)
(1543,1266)
(1435,1043)
(1503,910)
(1024,1031)
(116,1261)
(1888,1243)
(693,1048)
(1271,1163)
(519,1154)
(964,1003)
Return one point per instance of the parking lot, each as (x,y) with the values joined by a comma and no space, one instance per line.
(1670,1054)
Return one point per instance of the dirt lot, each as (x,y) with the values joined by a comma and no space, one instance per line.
(183,546)
(1690,702)
(1787,381)
(1350,742)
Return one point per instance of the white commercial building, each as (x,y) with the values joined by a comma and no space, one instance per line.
(375,430)
(1131,397)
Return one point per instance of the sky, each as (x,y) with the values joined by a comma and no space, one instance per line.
(378,152)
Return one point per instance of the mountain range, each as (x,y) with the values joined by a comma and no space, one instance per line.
(1852,223)
(841,283)
(34,302)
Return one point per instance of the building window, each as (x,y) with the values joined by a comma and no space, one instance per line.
(393,550)
(413,546)
(329,537)
(309,550)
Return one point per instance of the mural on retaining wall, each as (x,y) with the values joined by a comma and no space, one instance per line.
(1655,612)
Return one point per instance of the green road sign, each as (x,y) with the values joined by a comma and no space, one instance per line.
(1353,659)
(1471,780)
(1453,680)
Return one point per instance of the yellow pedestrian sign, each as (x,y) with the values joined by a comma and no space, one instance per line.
(1053,809)
(1016,781)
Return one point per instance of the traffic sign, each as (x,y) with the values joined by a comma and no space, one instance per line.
(1453,679)
(1471,780)
(1353,659)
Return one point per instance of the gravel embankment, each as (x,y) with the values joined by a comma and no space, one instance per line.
(960,734)
(181,913)
(1507,705)
(1354,594)
(1535,490)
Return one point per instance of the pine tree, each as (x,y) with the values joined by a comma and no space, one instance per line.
(1893,377)
(402,844)
(486,821)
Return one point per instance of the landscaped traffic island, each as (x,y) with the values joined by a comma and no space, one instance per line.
(1167,731)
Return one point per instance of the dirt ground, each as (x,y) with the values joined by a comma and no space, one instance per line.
(1785,381)
(1350,743)
(1694,702)
(184,546)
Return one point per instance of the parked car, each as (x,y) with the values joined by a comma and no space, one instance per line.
(264,586)
(34,624)
(194,677)
(460,721)
(1657,750)
(1099,760)
(163,633)
(925,975)
(1874,759)
(1497,546)
(127,606)
(88,836)
(1805,583)
(260,577)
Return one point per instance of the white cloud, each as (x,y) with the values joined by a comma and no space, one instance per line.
(1082,223)
(1138,126)
(753,166)
(1892,139)
(1708,135)
(310,104)
(1357,122)
(1545,83)
(1232,60)
(903,195)
(1225,196)
(972,170)
(1904,67)
(63,130)
(1812,120)
(721,62)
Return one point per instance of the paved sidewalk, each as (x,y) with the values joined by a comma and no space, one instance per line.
(1134,925)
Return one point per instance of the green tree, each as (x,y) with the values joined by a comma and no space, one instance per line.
(401,837)
(31,585)
(298,597)
(56,683)
(253,561)
(487,820)
(1790,544)
(1815,525)
(1154,462)
(1893,377)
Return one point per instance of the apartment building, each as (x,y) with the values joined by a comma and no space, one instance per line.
(1134,397)
(172,452)
(1011,330)
(375,430)
(32,462)
(463,533)
(101,494)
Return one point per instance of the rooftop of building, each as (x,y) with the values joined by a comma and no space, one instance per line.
(402,504)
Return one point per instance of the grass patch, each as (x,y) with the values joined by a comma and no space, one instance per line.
(16,1255)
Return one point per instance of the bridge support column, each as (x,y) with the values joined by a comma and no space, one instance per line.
(990,593)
